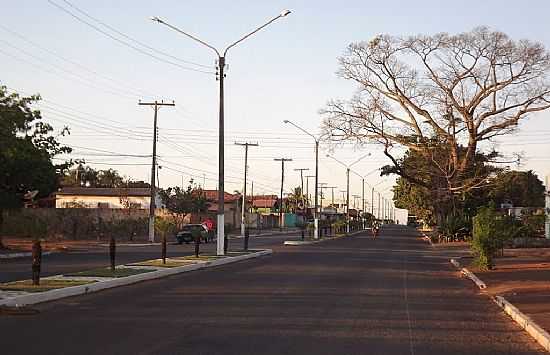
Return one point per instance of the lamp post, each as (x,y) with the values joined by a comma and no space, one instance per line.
(316,215)
(348,169)
(221,66)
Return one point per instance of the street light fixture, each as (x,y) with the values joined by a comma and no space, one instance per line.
(316,214)
(348,169)
(221,67)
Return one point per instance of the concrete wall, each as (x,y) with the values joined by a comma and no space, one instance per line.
(67,201)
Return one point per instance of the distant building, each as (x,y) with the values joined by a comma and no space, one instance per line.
(96,197)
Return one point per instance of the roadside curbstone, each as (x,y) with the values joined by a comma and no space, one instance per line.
(23,255)
(539,334)
(29,299)
(480,284)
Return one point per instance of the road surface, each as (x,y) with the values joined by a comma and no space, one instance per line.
(392,295)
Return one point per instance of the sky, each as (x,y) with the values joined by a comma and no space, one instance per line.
(92,75)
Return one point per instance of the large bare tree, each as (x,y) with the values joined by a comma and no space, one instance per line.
(442,96)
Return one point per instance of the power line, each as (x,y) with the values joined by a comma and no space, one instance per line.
(133,39)
(76,17)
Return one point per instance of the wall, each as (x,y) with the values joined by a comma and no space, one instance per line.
(83,223)
(65,201)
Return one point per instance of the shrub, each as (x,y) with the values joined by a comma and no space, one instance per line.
(484,243)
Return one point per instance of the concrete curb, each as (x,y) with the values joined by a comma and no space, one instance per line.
(24,254)
(51,295)
(539,334)
(427,239)
(469,274)
(308,242)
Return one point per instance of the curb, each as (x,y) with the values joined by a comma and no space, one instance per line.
(469,274)
(427,239)
(539,334)
(23,254)
(51,295)
(308,242)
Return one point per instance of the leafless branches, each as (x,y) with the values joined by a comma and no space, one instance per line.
(456,90)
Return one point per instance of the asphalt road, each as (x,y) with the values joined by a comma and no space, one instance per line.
(392,295)
(60,263)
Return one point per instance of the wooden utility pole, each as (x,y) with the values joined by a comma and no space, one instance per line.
(156,105)
(282,160)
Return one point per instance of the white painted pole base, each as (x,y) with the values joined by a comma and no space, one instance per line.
(221,234)
(316,228)
(243,227)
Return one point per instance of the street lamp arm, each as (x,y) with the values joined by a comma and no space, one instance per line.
(338,161)
(156,19)
(283,14)
(358,160)
(301,129)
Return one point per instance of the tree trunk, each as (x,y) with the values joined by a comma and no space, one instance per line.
(164,248)
(112,252)
(36,262)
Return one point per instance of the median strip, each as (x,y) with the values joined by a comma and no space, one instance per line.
(22,293)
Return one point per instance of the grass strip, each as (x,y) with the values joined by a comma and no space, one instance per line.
(45,285)
(107,272)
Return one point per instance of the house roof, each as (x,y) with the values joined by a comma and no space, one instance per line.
(103,191)
(212,195)
(264,203)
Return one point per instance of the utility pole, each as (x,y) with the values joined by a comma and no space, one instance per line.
(156,105)
(302,182)
(347,200)
(372,201)
(282,160)
(243,205)
(307,188)
(547,209)
(379,210)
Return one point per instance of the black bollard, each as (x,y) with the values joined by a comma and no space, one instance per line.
(197,236)
(303,234)
(112,252)
(246,237)
(164,248)
(36,262)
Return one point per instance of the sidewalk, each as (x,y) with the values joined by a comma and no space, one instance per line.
(522,276)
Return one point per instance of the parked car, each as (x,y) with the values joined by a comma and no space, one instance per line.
(185,235)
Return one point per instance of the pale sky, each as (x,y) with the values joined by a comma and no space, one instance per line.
(92,82)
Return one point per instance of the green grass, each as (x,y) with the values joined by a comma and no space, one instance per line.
(45,285)
(107,272)
(200,258)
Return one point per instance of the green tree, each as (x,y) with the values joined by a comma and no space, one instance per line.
(181,202)
(27,147)
(522,188)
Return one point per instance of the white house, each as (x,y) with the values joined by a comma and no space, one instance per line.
(96,197)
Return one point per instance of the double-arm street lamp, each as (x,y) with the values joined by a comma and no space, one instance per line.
(348,169)
(316,214)
(221,66)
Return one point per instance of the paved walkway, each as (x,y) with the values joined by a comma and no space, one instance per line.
(392,295)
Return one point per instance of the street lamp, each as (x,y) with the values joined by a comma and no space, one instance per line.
(348,169)
(316,214)
(221,67)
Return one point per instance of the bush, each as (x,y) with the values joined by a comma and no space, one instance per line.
(484,242)
(456,227)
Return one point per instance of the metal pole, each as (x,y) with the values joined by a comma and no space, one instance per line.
(347,200)
(316,218)
(547,209)
(372,201)
(243,217)
(221,182)
(363,202)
